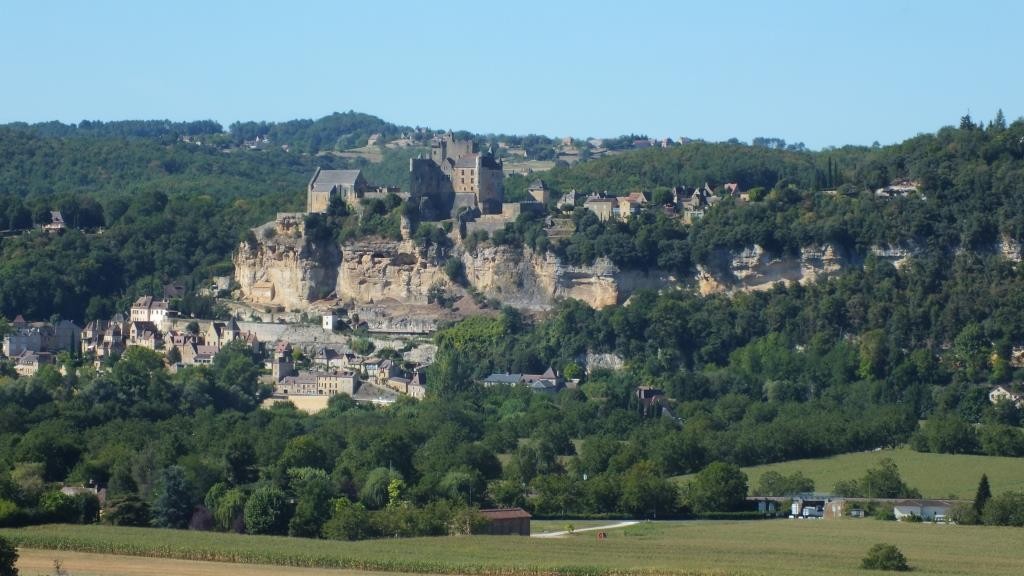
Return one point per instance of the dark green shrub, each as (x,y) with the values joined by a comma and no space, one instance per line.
(8,558)
(885,557)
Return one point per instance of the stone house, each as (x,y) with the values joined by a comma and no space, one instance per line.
(148,309)
(56,223)
(28,362)
(262,292)
(386,370)
(567,201)
(602,206)
(317,384)
(1003,394)
(325,184)
(282,364)
(538,190)
(145,334)
(349,184)
(102,338)
(417,387)
(41,337)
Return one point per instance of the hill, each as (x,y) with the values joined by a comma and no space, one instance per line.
(935,475)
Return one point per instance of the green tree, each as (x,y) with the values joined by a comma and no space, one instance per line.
(884,481)
(374,491)
(885,557)
(1005,509)
(172,507)
(348,521)
(645,492)
(313,490)
(240,461)
(227,506)
(127,511)
(59,507)
(982,496)
(8,558)
(720,487)
(772,483)
(266,511)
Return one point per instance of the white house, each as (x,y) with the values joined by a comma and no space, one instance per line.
(1003,394)
(925,509)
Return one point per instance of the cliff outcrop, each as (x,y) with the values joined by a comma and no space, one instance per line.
(754,268)
(281,269)
(373,270)
(525,279)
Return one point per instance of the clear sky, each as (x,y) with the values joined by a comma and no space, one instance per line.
(821,72)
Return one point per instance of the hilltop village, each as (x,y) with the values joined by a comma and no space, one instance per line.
(371,344)
(455,185)
(310,353)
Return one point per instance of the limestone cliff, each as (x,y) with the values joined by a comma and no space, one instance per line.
(522,278)
(282,270)
(373,270)
(277,267)
(753,268)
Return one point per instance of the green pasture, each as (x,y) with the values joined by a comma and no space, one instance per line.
(777,547)
(935,475)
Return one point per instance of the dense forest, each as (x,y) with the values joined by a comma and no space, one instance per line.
(851,363)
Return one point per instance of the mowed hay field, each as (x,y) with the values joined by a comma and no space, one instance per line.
(783,547)
(935,475)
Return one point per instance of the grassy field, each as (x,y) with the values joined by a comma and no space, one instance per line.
(41,562)
(782,547)
(935,475)
(541,526)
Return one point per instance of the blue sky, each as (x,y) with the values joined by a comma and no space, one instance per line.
(824,73)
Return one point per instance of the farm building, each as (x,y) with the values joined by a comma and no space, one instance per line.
(832,507)
(924,509)
(506,521)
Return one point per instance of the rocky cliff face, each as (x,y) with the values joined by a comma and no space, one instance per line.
(755,269)
(524,279)
(376,270)
(283,271)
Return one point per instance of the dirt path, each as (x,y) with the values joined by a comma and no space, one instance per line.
(41,563)
(592,528)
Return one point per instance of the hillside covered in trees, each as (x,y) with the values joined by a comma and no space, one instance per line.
(850,363)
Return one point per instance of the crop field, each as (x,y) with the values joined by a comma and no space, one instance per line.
(935,475)
(41,562)
(783,547)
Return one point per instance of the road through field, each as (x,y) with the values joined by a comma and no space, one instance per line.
(592,528)
(33,562)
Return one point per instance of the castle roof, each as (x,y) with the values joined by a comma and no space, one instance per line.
(466,161)
(326,180)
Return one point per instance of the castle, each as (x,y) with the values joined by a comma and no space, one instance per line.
(456,178)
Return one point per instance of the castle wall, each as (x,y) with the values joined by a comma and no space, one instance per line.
(491,190)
